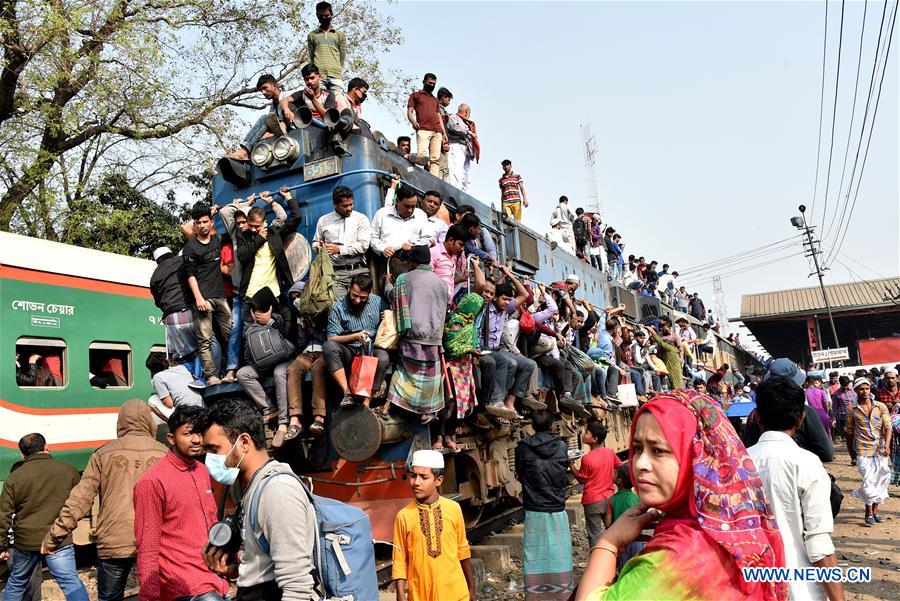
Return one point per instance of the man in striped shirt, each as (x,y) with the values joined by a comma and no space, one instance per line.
(328,50)
(512,192)
(870,423)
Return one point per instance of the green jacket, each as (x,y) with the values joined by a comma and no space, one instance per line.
(35,492)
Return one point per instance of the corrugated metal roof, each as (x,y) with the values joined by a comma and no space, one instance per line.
(852,295)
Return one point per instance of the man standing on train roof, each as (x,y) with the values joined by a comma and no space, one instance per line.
(170,291)
(512,192)
(566,218)
(34,493)
(464,146)
(261,252)
(425,117)
(203,266)
(173,508)
(111,473)
(328,49)
(345,235)
(400,226)
(431,552)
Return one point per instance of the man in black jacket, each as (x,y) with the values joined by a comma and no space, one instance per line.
(169,288)
(260,251)
(541,465)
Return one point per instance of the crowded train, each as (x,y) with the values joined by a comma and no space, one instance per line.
(374,366)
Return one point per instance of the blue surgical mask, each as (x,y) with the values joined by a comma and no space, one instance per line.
(218,471)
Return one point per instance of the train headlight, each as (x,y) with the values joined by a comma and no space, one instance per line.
(262,154)
(286,149)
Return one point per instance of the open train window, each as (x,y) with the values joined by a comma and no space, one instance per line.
(41,363)
(110,365)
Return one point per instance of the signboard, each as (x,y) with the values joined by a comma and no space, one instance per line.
(831,354)
(319,169)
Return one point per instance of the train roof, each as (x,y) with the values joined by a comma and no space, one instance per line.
(65,259)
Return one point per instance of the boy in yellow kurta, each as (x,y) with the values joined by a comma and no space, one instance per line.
(431,553)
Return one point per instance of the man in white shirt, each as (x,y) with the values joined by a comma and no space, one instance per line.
(400,227)
(797,485)
(566,217)
(346,235)
(437,227)
(708,344)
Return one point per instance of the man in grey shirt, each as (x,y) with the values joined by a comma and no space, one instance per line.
(170,381)
(235,443)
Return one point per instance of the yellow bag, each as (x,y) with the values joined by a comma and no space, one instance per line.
(387,337)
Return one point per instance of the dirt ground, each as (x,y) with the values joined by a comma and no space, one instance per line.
(856,544)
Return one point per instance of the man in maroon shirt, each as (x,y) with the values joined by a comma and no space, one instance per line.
(424,115)
(174,508)
(889,391)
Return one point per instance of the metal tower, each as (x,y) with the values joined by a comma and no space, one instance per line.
(590,161)
(721,307)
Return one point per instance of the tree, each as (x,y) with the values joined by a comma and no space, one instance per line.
(115,217)
(147,89)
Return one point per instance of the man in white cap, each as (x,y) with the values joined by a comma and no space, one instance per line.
(431,553)
(870,423)
(555,235)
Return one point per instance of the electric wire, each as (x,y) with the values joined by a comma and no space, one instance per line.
(821,111)
(837,83)
(862,34)
(730,257)
(846,224)
(744,269)
(697,274)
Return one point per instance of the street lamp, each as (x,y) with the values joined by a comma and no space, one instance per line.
(799,222)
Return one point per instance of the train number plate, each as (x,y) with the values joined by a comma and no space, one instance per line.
(319,169)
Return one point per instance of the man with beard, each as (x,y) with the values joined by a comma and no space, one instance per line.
(352,323)
(424,115)
(173,505)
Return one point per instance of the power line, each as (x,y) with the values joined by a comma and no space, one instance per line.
(862,169)
(862,131)
(696,274)
(740,254)
(821,109)
(837,82)
(862,34)
(743,269)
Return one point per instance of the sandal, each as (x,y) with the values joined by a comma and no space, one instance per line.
(347,400)
(317,428)
(428,418)
(293,432)
(454,448)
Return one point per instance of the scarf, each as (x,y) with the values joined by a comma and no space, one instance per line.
(476,147)
(401,302)
(459,333)
(722,490)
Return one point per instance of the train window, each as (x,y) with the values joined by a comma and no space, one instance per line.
(41,362)
(110,365)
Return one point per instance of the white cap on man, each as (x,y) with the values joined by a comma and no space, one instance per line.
(573,278)
(161,251)
(428,458)
(860,381)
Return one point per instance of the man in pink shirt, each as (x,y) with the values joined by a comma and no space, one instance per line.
(448,260)
(597,473)
(174,508)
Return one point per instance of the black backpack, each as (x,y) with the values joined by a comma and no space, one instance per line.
(580,230)
(267,346)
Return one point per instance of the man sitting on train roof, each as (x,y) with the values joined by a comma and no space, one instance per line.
(345,235)
(314,96)
(400,227)
(268,86)
(404,149)
(352,323)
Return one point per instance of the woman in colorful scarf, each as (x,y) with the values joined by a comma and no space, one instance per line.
(460,344)
(420,301)
(692,474)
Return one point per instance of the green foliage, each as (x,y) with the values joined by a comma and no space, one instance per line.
(115,217)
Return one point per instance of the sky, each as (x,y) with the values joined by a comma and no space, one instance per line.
(705,117)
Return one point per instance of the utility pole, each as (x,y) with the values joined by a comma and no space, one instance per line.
(813,247)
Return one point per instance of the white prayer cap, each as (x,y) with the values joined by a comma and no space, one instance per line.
(890,370)
(554,221)
(162,250)
(573,278)
(428,458)
(860,381)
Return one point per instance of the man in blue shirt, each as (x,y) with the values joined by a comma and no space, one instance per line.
(352,324)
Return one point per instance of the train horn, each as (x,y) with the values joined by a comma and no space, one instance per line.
(303,117)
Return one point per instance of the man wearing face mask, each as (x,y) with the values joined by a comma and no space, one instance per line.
(235,445)
(423,112)
(328,50)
